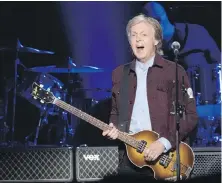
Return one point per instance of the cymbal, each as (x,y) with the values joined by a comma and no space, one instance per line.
(21,48)
(83,69)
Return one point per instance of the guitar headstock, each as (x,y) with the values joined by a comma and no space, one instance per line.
(39,92)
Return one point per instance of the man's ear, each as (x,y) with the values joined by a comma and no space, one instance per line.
(156,42)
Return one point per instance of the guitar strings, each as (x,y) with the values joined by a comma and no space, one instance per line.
(125,137)
(132,141)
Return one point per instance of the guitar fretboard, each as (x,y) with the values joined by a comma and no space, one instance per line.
(96,122)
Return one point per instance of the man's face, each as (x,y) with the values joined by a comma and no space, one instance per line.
(142,41)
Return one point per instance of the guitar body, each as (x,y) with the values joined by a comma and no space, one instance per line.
(160,171)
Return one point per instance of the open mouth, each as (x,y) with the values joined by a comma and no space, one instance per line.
(140,48)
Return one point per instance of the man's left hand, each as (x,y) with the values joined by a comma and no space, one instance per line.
(154,151)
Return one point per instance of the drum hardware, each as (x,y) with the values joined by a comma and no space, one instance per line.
(196,82)
(83,69)
(54,85)
(65,129)
(43,120)
(5,115)
(19,48)
(95,89)
(68,130)
(198,99)
(217,77)
(3,133)
(24,49)
(217,97)
(4,129)
(70,69)
(49,82)
(194,76)
(207,134)
(201,79)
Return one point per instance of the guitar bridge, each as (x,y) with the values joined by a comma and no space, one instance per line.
(141,146)
(188,171)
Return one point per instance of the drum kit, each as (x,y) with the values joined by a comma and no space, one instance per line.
(206,85)
(43,76)
(209,111)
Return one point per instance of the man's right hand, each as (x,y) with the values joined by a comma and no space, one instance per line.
(113,133)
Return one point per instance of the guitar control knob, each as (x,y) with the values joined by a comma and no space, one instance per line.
(35,98)
(42,101)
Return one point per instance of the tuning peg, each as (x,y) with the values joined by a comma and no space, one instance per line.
(42,101)
(35,97)
(41,85)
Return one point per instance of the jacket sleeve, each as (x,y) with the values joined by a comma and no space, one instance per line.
(189,120)
(114,110)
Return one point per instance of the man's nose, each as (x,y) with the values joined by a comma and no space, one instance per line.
(138,38)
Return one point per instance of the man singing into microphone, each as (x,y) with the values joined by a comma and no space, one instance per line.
(151,92)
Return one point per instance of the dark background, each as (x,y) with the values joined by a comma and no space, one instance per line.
(40,25)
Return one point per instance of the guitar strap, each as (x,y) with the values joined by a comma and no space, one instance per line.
(124,97)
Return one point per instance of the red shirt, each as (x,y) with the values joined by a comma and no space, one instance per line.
(160,94)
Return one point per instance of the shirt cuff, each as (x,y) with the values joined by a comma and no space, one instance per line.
(166,143)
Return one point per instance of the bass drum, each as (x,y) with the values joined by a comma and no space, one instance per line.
(48,81)
(206,83)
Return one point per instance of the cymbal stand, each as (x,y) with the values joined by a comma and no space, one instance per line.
(71,64)
(42,120)
(65,126)
(17,61)
(7,89)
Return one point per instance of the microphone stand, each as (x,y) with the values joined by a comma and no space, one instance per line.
(179,112)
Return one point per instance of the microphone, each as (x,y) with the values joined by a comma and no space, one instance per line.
(175,46)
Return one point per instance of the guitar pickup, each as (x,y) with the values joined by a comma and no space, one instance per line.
(165,160)
(141,146)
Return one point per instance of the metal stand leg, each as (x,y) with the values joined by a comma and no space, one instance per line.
(67,131)
(42,120)
(64,120)
(14,102)
(6,127)
(43,117)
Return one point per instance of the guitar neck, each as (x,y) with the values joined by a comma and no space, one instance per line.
(95,122)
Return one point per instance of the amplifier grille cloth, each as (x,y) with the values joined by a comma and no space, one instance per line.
(45,164)
(93,163)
